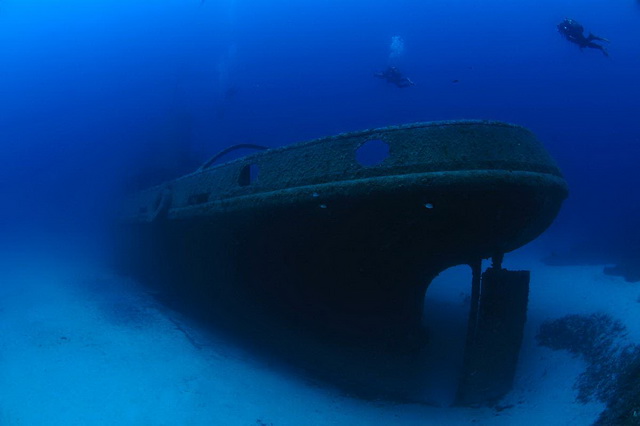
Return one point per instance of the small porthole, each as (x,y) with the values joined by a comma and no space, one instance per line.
(372,153)
(248,175)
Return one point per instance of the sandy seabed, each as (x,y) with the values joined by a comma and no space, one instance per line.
(83,346)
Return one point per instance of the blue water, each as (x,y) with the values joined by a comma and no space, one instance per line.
(101,97)
(91,93)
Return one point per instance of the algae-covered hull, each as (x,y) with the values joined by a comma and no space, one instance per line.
(312,232)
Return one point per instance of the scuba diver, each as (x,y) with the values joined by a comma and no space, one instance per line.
(572,31)
(393,75)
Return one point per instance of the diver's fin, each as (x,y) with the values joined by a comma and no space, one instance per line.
(595,37)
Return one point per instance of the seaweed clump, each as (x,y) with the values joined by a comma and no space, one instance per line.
(612,375)
(624,406)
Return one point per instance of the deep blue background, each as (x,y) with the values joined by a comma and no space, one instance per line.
(95,93)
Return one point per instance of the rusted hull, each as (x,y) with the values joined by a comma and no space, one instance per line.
(348,261)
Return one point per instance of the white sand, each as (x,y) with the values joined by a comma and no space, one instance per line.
(81,346)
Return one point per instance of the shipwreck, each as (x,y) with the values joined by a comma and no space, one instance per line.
(327,235)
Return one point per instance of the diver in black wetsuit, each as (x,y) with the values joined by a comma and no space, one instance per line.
(393,75)
(573,32)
